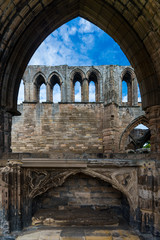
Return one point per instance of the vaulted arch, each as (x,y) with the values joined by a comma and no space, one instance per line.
(32,23)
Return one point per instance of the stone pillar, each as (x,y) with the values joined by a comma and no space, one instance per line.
(85,89)
(49,96)
(35,93)
(5,131)
(134,92)
(153,115)
(110,128)
(4,201)
(15,197)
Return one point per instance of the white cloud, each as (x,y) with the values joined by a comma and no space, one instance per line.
(92,92)
(56,93)
(21,93)
(125,99)
(85,26)
(141,126)
(42,93)
(77,89)
(139,99)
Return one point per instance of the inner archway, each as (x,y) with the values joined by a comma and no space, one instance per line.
(84,201)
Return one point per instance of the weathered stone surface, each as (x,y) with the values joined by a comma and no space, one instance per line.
(78,128)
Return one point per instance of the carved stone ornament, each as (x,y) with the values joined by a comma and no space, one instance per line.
(125,180)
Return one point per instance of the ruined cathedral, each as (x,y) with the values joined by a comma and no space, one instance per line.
(80,165)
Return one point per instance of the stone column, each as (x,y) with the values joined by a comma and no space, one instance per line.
(4,200)
(153,115)
(110,129)
(49,96)
(35,93)
(5,131)
(15,196)
(85,89)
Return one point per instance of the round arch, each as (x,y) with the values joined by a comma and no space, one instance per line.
(140,120)
(138,39)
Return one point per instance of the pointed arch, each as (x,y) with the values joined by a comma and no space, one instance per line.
(77,75)
(128,76)
(54,79)
(93,75)
(139,120)
(139,46)
(38,80)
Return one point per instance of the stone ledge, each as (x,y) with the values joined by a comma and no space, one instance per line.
(74,163)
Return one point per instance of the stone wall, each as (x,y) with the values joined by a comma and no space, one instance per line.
(80,191)
(59,129)
(81,128)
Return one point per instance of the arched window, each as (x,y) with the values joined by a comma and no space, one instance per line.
(77,91)
(127,89)
(40,89)
(56,93)
(92,92)
(139,137)
(124,92)
(139,95)
(93,87)
(55,88)
(21,92)
(77,87)
(42,93)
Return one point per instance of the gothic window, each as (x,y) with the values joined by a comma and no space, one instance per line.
(42,93)
(124,92)
(127,89)
(77,88)
(92,92)
(56,93)
(93,87)
(55,88)
(40,89)
(77,91)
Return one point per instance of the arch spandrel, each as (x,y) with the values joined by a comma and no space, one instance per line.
(123,179)
(115,18)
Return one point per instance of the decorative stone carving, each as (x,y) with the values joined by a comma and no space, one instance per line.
(124,180)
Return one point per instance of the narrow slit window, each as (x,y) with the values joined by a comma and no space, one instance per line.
(77,92)
(92,92)
(56,93)
(124,92)
(139,95)
(21,93)
(42,93)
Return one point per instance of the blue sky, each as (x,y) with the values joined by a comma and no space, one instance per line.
(77,43)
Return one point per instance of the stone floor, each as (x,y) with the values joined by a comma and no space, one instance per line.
(79,233)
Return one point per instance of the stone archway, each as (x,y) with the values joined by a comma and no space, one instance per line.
(138,39)
(140,120)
